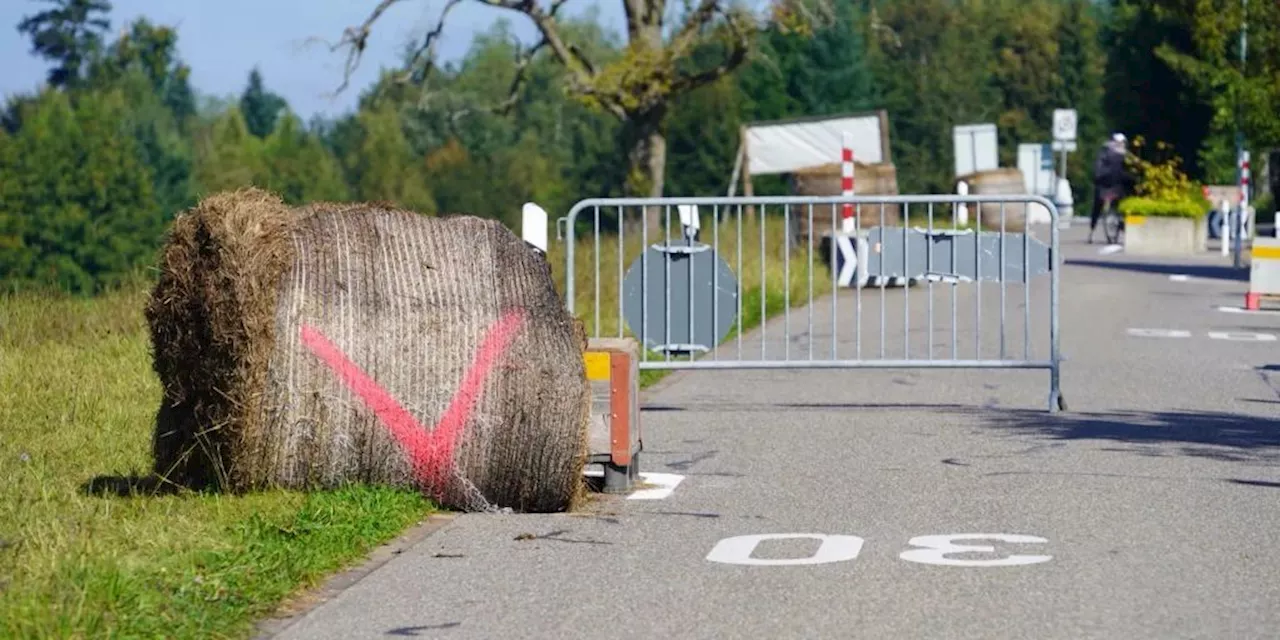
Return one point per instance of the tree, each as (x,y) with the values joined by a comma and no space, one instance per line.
(382,166)
(150,51)
(1243,95)
(636,88)
(932,60)
(260,107)
(1082,66)
(69,34)
(299,167)
(227,155)
(80,215)
(1139,83)
(143,63)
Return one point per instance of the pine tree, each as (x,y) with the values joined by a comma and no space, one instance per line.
(69,35)
(261,108)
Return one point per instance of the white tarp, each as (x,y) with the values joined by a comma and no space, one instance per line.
(783,147)
(975,148)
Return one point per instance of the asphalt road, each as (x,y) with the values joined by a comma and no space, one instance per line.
(1154,502)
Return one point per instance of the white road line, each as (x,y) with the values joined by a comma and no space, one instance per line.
(665,484)
(1159,333)
(1242,336)
(1179,277)
(1110,249)
(1270,312)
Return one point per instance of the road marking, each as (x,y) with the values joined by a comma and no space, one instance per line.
(937,547)
(1179,277)
(1110,249)
(665,484)
(1159,333)
(1243,310)
(1242,336)
(738,549)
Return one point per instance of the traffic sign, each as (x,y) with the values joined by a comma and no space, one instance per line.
(680,298)
(1064,124)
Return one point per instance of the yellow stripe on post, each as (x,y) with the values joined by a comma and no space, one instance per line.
(597,363)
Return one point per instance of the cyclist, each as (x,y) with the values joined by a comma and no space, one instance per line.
(1110,177)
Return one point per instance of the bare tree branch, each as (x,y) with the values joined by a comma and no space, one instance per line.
(581,70)
(739,47)
(688,33)
(524,59)
(427,49)
(356,38)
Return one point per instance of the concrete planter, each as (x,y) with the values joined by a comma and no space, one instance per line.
(1160,236)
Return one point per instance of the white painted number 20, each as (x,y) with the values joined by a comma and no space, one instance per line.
(934,549)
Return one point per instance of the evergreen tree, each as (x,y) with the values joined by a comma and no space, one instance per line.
(384,167)
(299,167)
(83,215)
(227,155)
(261,108)
(69,35)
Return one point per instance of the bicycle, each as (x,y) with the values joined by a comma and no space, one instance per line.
(1112,221)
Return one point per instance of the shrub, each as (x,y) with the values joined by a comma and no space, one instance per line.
(1162,188)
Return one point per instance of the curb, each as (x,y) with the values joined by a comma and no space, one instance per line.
(299,605)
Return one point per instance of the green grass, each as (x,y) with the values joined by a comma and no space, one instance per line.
(78,401)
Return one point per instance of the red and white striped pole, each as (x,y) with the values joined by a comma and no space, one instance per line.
(1244,180)
(846,181)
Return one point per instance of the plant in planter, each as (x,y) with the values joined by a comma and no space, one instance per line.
(1167,211)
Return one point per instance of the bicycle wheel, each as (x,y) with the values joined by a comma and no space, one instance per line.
(1111,225)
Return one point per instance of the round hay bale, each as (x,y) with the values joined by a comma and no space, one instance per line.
(1002,181)
(824,180)
(311,347)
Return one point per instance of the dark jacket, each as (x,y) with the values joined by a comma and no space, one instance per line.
(1109,169)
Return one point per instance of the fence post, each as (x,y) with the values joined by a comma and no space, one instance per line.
(962,210)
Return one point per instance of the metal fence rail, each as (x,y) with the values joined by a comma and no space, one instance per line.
(903,284)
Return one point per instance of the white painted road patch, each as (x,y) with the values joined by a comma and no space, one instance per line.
(1242,336)
(738,549)
(1179,277)
(932,549)
(1110,249)
(1271,312)
(935,549)
(664,485)
(1159,333)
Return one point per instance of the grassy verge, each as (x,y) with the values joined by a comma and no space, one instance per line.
(79,398)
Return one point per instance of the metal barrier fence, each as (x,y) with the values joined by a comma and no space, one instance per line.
(783,266)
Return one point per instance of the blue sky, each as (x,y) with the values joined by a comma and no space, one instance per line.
(223,39)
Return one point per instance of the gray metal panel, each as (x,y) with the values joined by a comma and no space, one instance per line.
(683,274)
(948,255)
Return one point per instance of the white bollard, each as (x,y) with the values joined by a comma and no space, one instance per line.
(533,226)
(1225,234)
(962,211)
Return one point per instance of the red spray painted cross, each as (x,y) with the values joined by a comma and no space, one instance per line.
(431,452)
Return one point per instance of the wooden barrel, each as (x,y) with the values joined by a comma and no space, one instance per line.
(824,180)
(1002,181)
